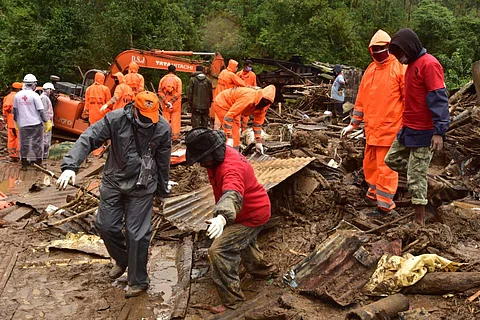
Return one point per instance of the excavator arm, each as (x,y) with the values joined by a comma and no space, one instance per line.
(153,59)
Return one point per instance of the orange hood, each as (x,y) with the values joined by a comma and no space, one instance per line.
(99,78)
(119,76)
(268,93)
(133,67)
(232,65)
(380,38)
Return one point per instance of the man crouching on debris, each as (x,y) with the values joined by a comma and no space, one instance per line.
(242,205)
(136,171)
(425,117)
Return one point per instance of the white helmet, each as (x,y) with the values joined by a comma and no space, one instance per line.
(29,78)
(48,85)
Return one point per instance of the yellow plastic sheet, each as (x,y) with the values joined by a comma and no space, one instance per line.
(394,273)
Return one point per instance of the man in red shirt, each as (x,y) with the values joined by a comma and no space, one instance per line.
(242,208)
(425,117)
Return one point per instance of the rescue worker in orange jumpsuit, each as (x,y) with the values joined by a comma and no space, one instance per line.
(379,104)
(228,79)
(244,101)
(250,79)
(95,97)
(12,144)
(170,94)
(134,79)
(121,97)
(216,67)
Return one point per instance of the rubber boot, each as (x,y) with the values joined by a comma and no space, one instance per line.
(419,217)
(24,165)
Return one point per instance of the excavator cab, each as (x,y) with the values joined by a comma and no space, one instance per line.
(69,104)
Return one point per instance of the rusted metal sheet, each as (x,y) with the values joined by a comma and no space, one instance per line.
(188,212)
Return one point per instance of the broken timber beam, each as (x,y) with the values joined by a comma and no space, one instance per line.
(387,308)
(184,267)
(438,283)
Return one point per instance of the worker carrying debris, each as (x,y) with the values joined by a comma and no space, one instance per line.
(30,117)
(170,94)
(425,117)
(48,89)
(235,102)
(380,105)
(121,97)
(95,97)
(12,138)
(242,208)
(250,79)
(200,97)
(135,175)
(134,79)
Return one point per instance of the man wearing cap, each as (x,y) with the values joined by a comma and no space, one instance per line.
(12,144)
(242,208)
(136,172)
(337,93)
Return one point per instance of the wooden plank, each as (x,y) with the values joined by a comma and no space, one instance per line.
(18,214)
(182,290)
(8,263)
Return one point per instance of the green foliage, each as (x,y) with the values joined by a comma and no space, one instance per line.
(60,36)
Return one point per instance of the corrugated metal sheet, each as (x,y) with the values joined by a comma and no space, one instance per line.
(188,212)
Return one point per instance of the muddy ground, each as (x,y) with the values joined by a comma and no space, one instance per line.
(63,284)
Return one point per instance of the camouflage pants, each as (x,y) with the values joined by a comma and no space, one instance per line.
(414,163)
(236,244)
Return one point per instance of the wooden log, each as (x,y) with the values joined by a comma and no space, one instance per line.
(387,308)
(79,215)
(445,282)
(383,226)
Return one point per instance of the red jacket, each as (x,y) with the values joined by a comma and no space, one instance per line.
(236,173)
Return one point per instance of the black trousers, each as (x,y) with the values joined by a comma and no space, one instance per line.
(200,118)
(117,209)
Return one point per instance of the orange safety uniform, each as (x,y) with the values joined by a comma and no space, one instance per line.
(227,79)
(134,79)
(12,138)
(380,105)
(123,94)
(170,90)
(242,101)
(250,79)
(216,67)
(95,97)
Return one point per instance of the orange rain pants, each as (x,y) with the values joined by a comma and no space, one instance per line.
(382,181)
(250,79)
(170,90)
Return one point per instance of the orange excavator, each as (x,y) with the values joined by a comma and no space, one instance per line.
(69,103)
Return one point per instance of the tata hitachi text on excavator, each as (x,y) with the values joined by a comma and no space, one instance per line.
(69,103)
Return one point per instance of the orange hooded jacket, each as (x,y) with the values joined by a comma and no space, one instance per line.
(8,109)
(242,101)
(380,97)
(134,79)
(250,78)
(95,97)
(123,93)
(228,79)
(170,90)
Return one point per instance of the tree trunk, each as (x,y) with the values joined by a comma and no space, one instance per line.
(476,78)
(445,282)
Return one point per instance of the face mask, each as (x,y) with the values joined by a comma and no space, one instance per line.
(248,69)
(380,55)
(403,60)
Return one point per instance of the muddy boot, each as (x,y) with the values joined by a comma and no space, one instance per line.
(38,162)
(135,291)
(116,272)
(419,217)
(25,165)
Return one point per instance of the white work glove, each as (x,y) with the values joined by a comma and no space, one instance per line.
(259,147)
(65,177)
(169,105)
(215,229)
(230,142)
(104,108)
(346,130)
(170,185)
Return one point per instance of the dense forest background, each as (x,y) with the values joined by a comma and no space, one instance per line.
(63,36)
